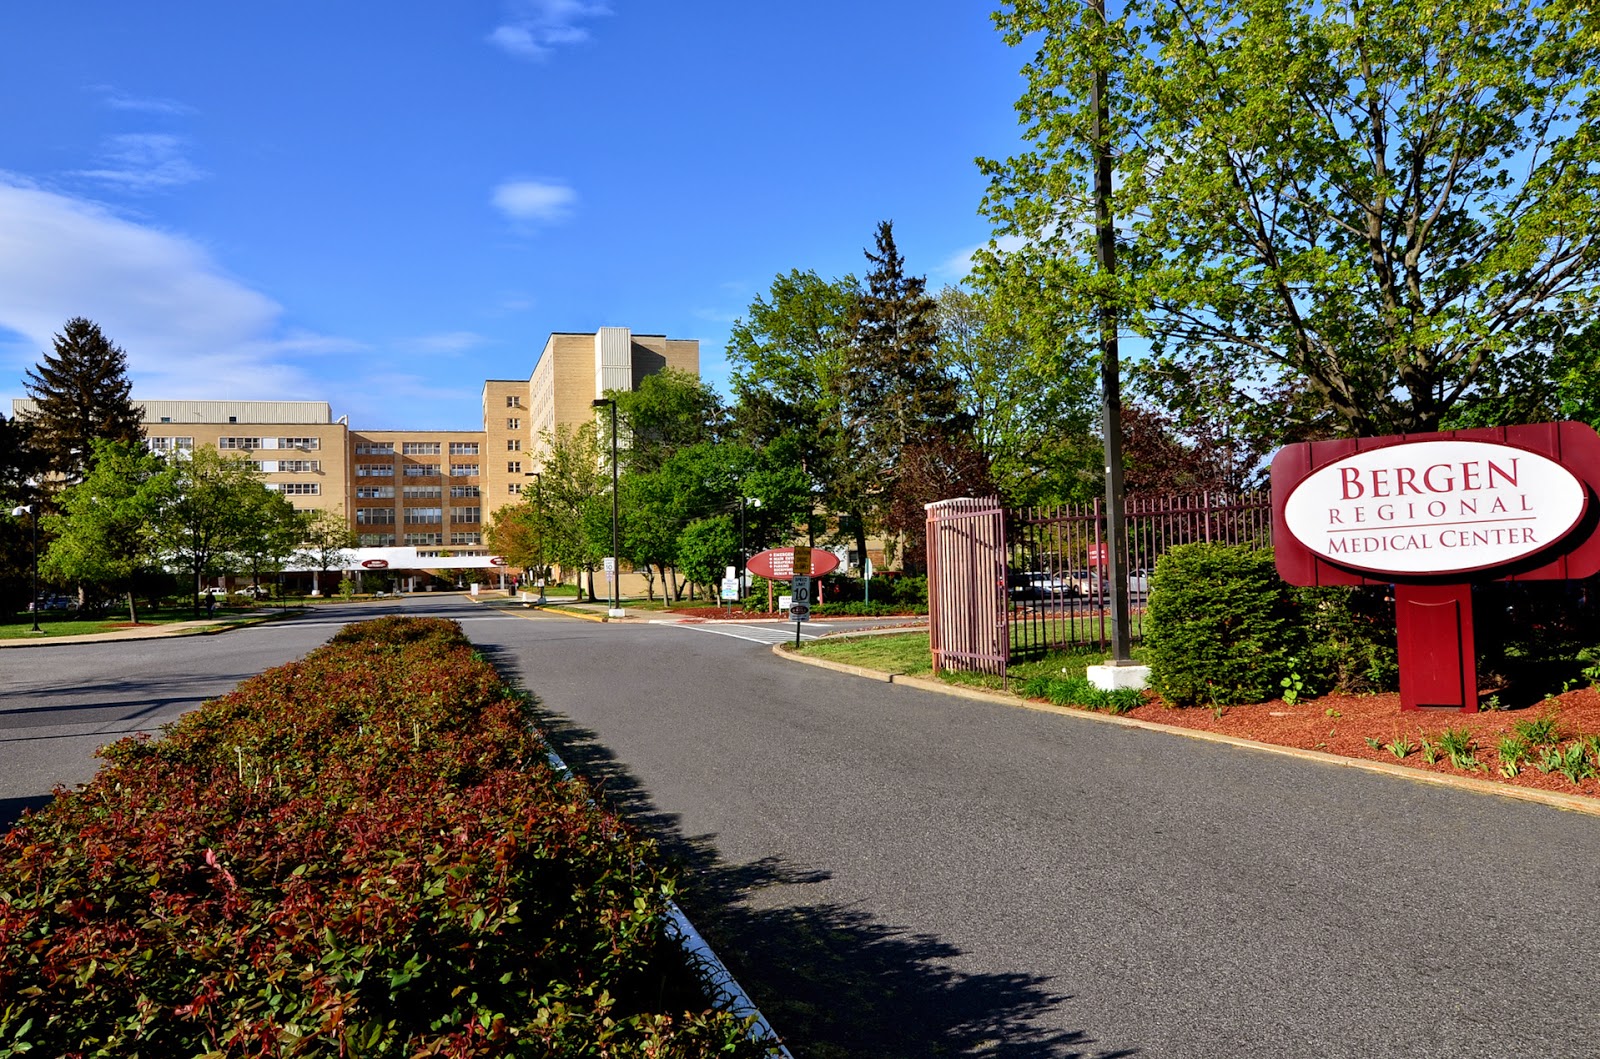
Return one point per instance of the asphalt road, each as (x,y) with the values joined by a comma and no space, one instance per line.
(899,873)
(60,702)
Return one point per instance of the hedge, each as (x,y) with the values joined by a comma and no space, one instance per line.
(1223,629)
(361,853)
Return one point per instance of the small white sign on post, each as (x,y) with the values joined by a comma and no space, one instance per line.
(610,565)
(730,588)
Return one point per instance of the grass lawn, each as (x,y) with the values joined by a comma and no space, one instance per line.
(908,654)
(66,623)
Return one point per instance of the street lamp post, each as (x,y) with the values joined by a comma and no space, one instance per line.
(616,560)
(32,511)
(538,501)
(753,501)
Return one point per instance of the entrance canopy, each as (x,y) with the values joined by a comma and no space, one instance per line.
(407,558)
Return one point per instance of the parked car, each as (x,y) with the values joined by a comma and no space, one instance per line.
(1024,586)
(1040,586)
(1139,583)
(1088,583)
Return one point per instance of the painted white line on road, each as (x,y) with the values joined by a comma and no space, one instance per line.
(771,636)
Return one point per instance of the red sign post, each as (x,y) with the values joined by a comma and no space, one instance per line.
(1431,514)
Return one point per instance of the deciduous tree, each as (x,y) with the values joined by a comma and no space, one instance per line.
(104,529)
(326,543)
(208,516)
(789,353)
(1380,204)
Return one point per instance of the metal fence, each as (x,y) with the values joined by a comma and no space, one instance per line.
(1020,583)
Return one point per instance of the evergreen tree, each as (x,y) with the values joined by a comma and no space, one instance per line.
(18,486)
(900,400)
(81,393)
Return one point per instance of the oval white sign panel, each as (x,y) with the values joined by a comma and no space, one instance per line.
(1435,507)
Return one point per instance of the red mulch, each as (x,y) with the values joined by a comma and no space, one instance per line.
(1340,724)
(752,615)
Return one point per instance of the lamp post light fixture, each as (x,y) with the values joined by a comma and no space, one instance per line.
(33,605)
(615,610)
(752,501)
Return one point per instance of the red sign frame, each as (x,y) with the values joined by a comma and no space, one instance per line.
(777,564)
(1433,612)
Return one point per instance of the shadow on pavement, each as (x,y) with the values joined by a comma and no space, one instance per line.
(831,979)
(11,809)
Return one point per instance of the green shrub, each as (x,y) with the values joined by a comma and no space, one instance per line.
(1077,691)
(361,853)
(1349,640)
(1221,626)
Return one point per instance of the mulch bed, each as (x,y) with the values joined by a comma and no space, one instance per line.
(1340,724)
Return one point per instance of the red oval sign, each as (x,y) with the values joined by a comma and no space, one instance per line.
(495,560)
(1450,506)
(375,564)
(777,564)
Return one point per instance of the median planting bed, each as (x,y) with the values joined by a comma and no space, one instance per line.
(364,852)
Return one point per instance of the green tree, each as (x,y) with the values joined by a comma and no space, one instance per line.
(207,518)
(789,353)
(19,474)
(902,407)
(669,411)
(104,531)
(706,548)
(572,477)
(1380,205)
(1032,410)
(81,393)
(273,530)
(326,543)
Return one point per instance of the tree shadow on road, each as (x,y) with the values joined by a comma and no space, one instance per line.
(831,979)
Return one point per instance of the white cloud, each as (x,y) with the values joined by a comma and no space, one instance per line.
(958,266)
(530,201)
(119,100)
(534,28)
(448,343)
(190,330)
(144,161)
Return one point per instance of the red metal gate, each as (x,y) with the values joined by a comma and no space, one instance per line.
(1005,586)
(967,599)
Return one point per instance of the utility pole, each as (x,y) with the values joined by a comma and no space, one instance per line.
(1110,367)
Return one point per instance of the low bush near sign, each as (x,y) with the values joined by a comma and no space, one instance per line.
(364,852)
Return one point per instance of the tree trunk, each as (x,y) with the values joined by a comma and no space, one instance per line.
(133,607)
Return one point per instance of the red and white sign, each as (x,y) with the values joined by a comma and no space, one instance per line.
(1435,507)
(777,564)
(495,560)
(1432,515)
(375,564)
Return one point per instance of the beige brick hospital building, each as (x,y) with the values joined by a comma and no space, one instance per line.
(430,489)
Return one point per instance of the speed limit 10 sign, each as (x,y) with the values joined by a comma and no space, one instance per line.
(800,602)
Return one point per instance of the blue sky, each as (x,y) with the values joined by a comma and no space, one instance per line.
(381,205)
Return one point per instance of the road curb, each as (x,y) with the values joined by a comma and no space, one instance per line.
(1554,799)
(722,988)
(531,610)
